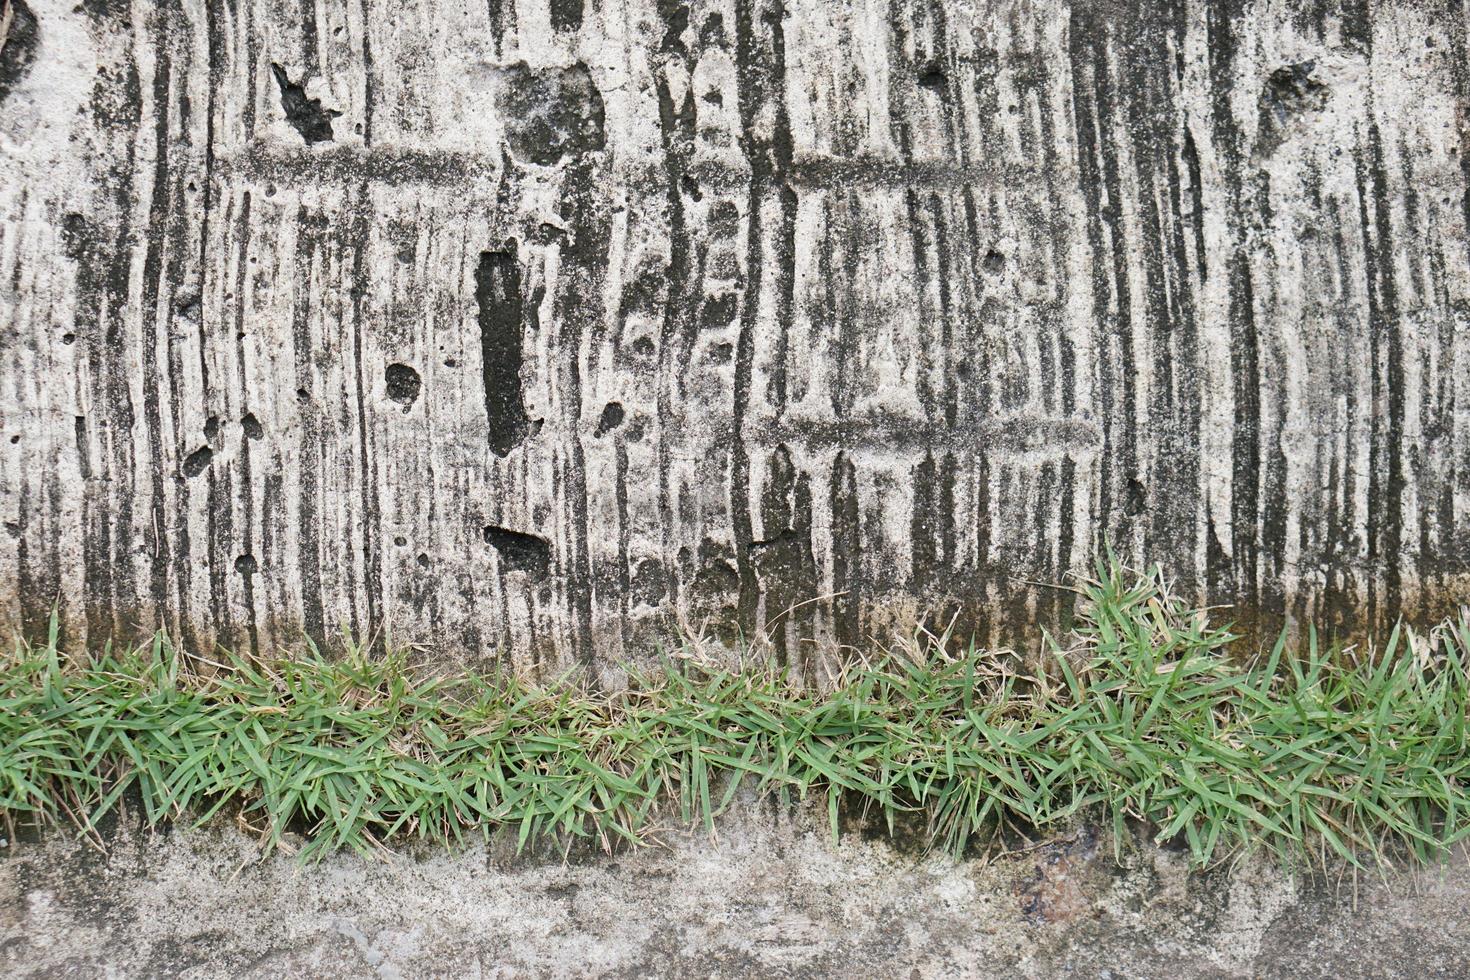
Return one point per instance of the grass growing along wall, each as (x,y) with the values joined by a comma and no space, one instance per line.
(1142,713)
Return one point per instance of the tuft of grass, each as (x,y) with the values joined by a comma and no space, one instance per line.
(1144,713)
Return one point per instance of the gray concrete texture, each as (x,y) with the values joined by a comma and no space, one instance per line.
(545,325)
(773,898)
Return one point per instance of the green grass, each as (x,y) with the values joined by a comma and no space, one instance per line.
(1145,713)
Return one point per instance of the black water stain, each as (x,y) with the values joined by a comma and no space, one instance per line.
(566,15)
(1387,481)
(612,417)
(719,311)
(252,427)
(1224,26)
(78,236)
(502,21)
(715,579)
(307,115)
(1290,92)
(782,543)
(675,15)
(926,545)
(760,61)
(84,456)
(18,52)
(189,307)
(403,384)
(846,549)
(551,113)
(198,461)
(520,552)
(1292,89)
(783,561)
(712,32)
(247,565)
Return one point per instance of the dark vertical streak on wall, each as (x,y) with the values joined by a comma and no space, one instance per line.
(309,557)
(372,523)
(1386,485)
(782,154)
(1222,45)
(1357,30)
(676,128)
(251,48)
(219,509)
(1058,229)
(752,94)
(847,552)
(1121,470)
(158,213)
(214,45)
(248,433)
(102,527)
(980,396)
(498,294)
(984,560)
(1172,417)
(625,576)
(33,606)
(367,76)
(923,555)
(310,47)
(580,310)
(1457,477)
(948,356)
(1066,533)
(1088,55)
(502,21)
(784,557)
(919,256)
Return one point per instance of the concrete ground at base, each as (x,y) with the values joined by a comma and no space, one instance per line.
(772,897)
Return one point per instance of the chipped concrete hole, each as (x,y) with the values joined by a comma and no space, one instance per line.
(403,385)
(306,115)
(198,461)
(519,552)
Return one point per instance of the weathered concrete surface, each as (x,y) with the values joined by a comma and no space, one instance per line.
(773,899)
(534,322)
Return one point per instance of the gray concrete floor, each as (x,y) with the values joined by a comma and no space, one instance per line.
(772,897)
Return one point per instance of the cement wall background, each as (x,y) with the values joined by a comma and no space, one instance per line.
(541,323)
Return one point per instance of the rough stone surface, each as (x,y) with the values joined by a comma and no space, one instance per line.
(774,898)
(540,324)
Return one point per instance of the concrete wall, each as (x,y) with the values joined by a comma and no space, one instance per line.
(537,322)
